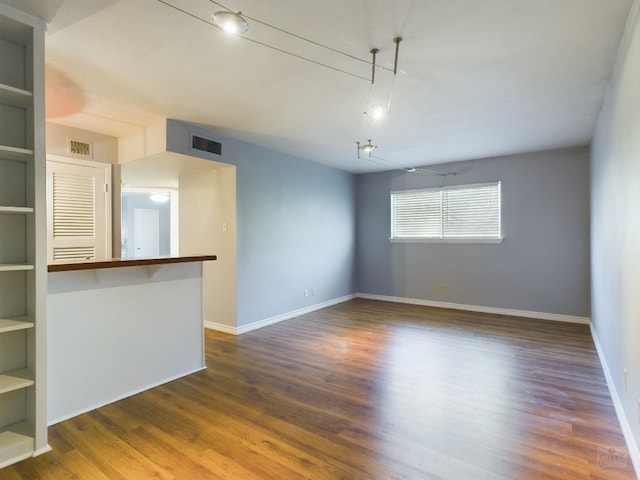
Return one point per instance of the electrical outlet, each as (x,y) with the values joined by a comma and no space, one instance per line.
(443,288)
(307,292)
(313,292)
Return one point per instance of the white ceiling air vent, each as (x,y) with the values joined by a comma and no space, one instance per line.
(205,145)
(79,148)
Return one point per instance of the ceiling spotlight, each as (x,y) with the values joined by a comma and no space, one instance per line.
(367,148)
(230,22)
(410,169)
(375,112)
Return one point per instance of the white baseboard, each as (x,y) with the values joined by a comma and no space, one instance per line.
(220,327)
(277,318)
(480,309)
(632,446)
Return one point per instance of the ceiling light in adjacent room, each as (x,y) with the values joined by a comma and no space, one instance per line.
(159,197)
(230,22)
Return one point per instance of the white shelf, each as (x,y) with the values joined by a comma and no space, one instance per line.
(18,323)
(15,380)
(16,97)
(16,443)
(14,267)
(22,108)
(14,153)
(19,210)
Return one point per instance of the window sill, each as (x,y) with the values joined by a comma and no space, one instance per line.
(446,240)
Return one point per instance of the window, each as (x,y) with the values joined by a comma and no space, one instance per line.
(465,213)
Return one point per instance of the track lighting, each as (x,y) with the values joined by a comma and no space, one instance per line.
(367,148)
(375,112)
(230,22)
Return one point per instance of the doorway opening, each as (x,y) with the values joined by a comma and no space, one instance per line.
(147,220)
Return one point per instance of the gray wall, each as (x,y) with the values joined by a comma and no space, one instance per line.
(295,226)
(541,266)
(615,220)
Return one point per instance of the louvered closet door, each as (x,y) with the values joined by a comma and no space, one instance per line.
(76,212)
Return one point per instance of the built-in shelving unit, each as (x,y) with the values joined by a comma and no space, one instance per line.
(23,419)
(12,324)
(15,154)
(4,209)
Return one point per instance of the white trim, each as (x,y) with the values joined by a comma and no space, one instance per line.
(41,451)
(219,327)
(446,240)
(277,318)
(556,317)
(121,397)
(632,446)
(79,161)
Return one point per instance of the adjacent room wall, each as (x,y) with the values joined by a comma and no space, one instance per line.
(541,266)
(295,228)
(207,226)
(135,200)
(615,234)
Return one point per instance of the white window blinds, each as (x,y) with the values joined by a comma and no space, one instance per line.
(464,212)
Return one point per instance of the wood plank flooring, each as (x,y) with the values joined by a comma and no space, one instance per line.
(362,390)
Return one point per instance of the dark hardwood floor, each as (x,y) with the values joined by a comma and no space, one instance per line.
(362,390)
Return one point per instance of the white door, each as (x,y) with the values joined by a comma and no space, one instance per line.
(78,211)
(146,232)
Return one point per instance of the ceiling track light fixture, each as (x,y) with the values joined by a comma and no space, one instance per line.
(286,32)
(376,111)
(425,171)
(373,52)
(243,26)
(397,41)
(367,148)
(419,170)
(230,22)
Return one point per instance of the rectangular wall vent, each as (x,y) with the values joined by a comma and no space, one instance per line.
(206,145)
(79,148)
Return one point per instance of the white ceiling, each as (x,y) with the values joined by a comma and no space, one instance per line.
(476,78)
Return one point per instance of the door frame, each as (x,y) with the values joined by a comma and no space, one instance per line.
(174,241)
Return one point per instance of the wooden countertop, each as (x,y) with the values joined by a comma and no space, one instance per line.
(126,262)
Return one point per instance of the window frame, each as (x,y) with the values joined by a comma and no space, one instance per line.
(442,238)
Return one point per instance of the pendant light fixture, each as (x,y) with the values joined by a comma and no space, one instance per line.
(375,112)
(367,148)
(230,22)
